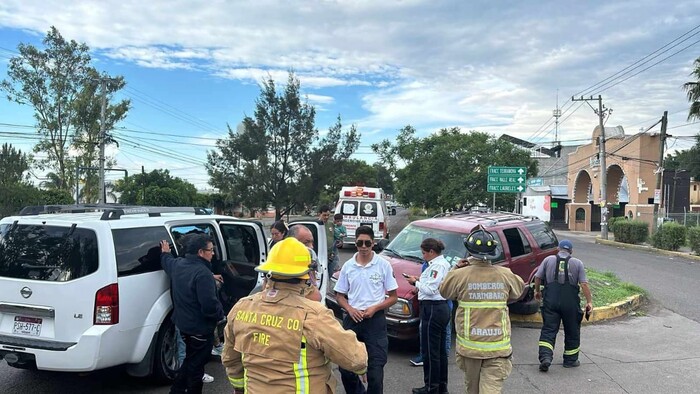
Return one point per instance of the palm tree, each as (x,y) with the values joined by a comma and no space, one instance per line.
(693,91)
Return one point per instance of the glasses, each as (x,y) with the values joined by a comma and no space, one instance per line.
(363,243)
(208,250)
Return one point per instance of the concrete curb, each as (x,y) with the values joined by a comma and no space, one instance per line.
(601,241)
(599,314)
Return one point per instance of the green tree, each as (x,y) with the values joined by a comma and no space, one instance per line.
(688,159)
(88,106)
(692,89)
(449,169)
(160,189)
(50,80)
(267,160)
(13,165)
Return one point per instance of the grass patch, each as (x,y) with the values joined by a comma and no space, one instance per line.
(607,288)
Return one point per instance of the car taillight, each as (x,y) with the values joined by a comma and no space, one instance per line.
(107,305)
(381,226)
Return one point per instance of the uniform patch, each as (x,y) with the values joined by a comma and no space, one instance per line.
(272,293)
(433,274)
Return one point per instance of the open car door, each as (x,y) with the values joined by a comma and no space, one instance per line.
(321,249)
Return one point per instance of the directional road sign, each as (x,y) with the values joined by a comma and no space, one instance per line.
(507,179)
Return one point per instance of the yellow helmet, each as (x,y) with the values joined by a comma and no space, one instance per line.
(289,258)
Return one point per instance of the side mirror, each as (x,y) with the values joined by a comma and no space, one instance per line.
(381,245)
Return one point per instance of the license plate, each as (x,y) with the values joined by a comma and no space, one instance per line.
(27,326)
(366,224)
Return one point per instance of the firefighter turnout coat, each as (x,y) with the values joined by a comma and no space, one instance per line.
(482,323)
(278,341)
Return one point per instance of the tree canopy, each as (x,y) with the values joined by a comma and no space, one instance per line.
(692,89)
(688,160)
(13,165)
(276,157)
(449,169)
(59,83)
(158,188)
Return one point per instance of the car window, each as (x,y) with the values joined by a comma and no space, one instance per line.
(407,243)
(180,231)
(48,253)
(500,255)
(138,249)
(517,242)
(543,235)
(241,243)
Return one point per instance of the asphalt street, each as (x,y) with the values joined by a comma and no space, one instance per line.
(656,351)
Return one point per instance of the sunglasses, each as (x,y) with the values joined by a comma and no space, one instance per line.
(366,243)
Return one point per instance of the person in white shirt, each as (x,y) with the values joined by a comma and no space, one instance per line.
(434,314)
(363,284)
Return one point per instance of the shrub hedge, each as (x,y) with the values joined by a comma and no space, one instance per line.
(630,231)
(694,239)
(670,236)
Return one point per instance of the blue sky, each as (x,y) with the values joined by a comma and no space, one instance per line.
(193,67)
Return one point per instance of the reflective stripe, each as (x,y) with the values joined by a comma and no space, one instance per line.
(484,346)
(570,352)
(301,373)
(237,383)
(547,345)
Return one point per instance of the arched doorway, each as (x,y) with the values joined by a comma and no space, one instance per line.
(617,193)
(582,187)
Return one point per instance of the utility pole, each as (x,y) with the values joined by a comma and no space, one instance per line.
(103,88)
(601,112)
(660,170)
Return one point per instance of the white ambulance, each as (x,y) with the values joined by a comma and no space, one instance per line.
(363,206)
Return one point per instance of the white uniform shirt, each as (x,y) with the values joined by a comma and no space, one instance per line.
(366,285)
(431,278)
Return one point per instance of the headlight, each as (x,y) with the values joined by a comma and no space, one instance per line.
(402,308)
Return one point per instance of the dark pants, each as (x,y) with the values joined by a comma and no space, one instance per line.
(372,332)
(434,316)
(561,305)
(197,353)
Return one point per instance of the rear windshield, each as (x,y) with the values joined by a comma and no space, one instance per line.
(49,253)
(358,208)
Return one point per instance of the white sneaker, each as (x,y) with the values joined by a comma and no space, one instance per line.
(216,350)
(206,378)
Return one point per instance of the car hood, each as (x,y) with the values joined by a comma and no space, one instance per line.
(400,266)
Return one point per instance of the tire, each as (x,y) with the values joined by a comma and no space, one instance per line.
(165,362)
(524,307)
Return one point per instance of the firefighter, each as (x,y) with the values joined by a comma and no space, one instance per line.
(482,291)
(562,274)
(278,341)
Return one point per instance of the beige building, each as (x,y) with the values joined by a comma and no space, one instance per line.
(629,157)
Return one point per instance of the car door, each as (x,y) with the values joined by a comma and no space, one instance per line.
(320,247)
(244,247)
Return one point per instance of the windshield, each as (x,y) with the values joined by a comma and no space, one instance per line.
(49,253)
(407,243)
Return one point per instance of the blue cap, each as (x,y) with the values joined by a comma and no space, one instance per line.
(566,244)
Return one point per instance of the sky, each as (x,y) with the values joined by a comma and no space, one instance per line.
(193,68)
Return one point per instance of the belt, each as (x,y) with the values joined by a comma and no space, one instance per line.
(432,302)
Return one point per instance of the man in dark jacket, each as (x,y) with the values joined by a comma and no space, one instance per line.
(196,308)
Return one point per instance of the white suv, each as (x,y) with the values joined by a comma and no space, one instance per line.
(82,289)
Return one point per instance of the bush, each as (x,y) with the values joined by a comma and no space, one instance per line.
(612,221)
(694,239)
(630,231)
(670,236)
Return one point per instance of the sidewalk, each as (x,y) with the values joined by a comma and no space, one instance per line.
(651,354)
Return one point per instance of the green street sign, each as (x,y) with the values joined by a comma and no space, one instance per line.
(505,188)
(507,179)
(500,170)
(554,204)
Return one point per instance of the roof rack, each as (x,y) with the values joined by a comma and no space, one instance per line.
(493,217)
(110,211)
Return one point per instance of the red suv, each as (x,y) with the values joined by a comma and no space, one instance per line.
(524,243)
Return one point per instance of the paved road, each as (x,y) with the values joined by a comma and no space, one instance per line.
(671,281)
(648,354)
